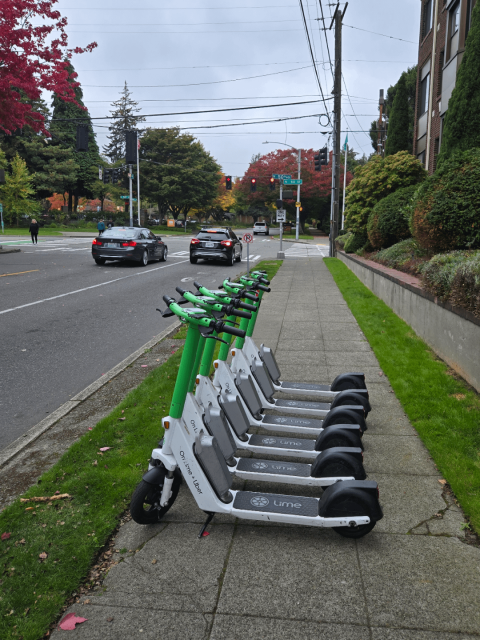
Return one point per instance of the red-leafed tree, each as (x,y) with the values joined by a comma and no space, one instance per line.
(32,59)
(315,190)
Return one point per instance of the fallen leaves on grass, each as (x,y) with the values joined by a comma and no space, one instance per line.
(69,621)
(6,536)
(122,418)
(442,482)
(105,448)
(60,496)
(94,463)
(43,555)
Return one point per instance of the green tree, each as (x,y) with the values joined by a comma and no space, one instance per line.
(398,138)
(54,168)
(66,116)
(124,119)
(461,127)
(16,194)
(410,77)
(376,180)
(176,172)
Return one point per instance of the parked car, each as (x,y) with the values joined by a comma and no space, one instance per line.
(261,227)
(218,243)
(128,243)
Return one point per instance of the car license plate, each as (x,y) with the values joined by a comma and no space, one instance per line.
(111,245)
(210,245)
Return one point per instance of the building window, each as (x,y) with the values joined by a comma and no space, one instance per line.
(453,29)
(470,5)
(441,62)
(421,157)
(423,95)
(427,17)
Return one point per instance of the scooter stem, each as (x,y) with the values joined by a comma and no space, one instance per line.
(182,383)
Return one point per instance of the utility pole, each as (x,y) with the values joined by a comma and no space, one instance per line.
(130,171)
(298,194)
(337,115)
(381,102)
(138,181)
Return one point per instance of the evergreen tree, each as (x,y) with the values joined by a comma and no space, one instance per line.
(16,194)
(410,77)
(64,134)
(123,119)
(461,127)
(399,122)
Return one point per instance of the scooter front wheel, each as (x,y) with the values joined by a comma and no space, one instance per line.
(145,504)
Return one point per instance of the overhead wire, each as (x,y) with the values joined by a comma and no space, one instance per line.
(312,56)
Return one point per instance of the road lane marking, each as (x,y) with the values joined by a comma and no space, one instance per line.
(19,273)
(94,286)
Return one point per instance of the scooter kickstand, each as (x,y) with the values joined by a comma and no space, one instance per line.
(203,530)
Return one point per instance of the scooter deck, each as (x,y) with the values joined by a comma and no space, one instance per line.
(273,467)
(309,423)
(303,386)
(302,445)
(276,503)
(319,408)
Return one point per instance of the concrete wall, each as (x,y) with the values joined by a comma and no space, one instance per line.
(452,336)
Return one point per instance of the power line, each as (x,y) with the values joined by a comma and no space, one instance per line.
(306,95)
(380,34)
(326,39)
(262,31)
(269,6)
(192,84)
(313,56)
(181,113)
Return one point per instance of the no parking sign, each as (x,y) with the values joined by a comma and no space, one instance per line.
(247,237)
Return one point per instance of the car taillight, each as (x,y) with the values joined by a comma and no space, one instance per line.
(194,241)
(129,244)
(95,241)
(226,243)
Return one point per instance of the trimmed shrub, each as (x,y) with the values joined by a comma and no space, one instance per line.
(465,289)
(342,238)
(388,222)
(354,242)
(439,272)
(445,210)
(400,254)
(377,179)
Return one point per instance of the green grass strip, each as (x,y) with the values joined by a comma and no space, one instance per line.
(33,591)
(444,410)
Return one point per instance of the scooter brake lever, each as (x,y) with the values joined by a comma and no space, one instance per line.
(166,314)
(217,338)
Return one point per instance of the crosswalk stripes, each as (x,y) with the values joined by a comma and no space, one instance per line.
(307,251)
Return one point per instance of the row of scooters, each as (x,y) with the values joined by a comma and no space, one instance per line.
(211,422)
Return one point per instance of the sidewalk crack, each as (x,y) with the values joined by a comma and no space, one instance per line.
(369,625)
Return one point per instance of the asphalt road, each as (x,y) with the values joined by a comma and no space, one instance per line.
(64,320)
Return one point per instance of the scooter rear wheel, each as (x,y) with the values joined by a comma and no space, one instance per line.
(355,532)
(143,506)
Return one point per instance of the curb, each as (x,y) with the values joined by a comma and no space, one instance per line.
(9,250)
(35,432)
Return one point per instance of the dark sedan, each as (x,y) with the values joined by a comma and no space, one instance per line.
(216,244)
(128,243)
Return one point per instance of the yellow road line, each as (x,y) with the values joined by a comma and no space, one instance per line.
(3,275)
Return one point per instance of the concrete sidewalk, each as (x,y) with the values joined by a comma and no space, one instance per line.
(413,577)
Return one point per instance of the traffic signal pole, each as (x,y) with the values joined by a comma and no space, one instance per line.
(298,194)
(138,184)
(130,169)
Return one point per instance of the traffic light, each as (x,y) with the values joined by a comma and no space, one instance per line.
(115,176)
(253,185)
(131,147)
(279,204)
(272,184)
(321,159)
(228,183)
(82,137)
(106,176)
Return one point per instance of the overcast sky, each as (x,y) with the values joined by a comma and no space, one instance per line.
(210,50)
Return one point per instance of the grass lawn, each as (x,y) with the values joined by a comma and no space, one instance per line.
(71,532)
(291,236)
(21,231)
(444,410)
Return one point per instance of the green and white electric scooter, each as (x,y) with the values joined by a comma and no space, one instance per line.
(226,410)
(351,508)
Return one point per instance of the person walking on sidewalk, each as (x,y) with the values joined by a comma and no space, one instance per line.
(100,227)
(34,227)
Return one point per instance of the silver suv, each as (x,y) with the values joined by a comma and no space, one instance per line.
(261,227)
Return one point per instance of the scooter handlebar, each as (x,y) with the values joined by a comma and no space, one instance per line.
(250,296)
(241,314)
(261,287)
(264,281)
(233,331)
(246,306)
(168,300)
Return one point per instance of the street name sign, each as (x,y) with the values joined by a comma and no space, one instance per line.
(293,182)
(281,176)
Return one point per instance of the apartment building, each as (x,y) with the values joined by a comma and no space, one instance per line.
(444,27)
